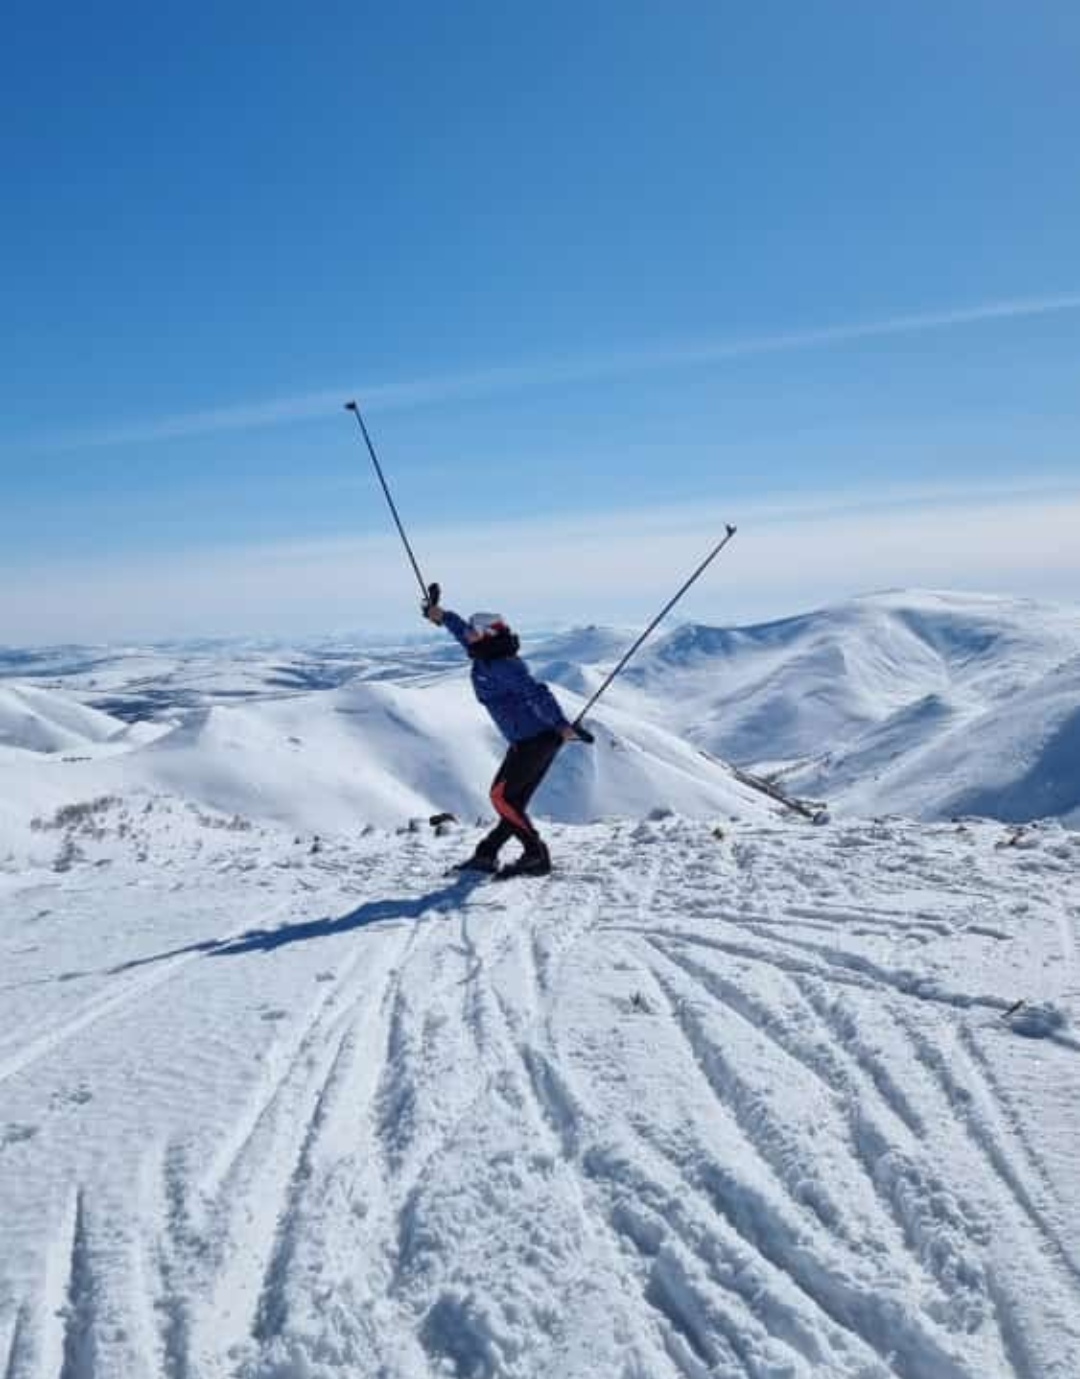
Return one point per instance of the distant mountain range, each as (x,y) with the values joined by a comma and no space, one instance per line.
(924,704)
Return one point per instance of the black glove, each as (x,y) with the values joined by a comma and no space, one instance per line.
(434,593)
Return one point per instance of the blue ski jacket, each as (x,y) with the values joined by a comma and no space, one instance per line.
(520,706)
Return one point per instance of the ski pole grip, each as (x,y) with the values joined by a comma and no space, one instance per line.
(434,593)
(583,733)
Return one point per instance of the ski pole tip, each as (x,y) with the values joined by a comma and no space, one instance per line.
(731,528)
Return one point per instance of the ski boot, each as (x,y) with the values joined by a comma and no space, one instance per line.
(536,861)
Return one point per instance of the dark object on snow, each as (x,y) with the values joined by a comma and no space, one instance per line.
(437,819)
(536,861)
(813,810)
(477,862)
(1036,1020)
(1019,837)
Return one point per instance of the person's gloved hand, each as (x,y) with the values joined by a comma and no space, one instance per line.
(430,606)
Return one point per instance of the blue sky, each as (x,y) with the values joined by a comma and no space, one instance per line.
(596,272)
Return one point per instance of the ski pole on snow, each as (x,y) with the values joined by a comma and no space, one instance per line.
(431,592)
(729,533)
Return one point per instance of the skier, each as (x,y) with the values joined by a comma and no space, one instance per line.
(528,716)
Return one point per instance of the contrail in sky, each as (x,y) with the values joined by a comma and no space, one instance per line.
(538,374)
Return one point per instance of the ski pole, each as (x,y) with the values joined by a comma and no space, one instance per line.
(730,532)
(431,592)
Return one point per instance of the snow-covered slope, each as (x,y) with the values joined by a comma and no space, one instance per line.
(372,753)
(1016,759)
(38,720)
(763,1105)
(926,704)
(378,753)
(923,703)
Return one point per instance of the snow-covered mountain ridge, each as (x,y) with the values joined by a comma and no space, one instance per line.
(924,704)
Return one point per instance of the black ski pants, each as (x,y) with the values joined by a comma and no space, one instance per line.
(524,767)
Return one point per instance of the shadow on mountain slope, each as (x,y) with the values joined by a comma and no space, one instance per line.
(1051,787)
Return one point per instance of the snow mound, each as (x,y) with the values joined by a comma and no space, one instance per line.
(39,720)
(379,753)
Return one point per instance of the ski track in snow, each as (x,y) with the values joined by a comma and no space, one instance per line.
(692,1106)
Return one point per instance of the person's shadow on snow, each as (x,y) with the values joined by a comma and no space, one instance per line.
(444,900)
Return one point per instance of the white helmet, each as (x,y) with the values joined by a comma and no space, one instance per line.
(488,624)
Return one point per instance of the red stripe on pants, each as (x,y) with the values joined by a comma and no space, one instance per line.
(506,810)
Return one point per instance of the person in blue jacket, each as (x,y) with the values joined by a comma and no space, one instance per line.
(528,716)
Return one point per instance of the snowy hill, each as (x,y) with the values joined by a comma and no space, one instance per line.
(379,753)
(373,753)
(38,721)
(929,705)
(918,703)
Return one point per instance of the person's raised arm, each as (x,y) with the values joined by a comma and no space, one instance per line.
(445,617)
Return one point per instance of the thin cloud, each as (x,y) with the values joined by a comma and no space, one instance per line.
(790,554)
(495,381)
